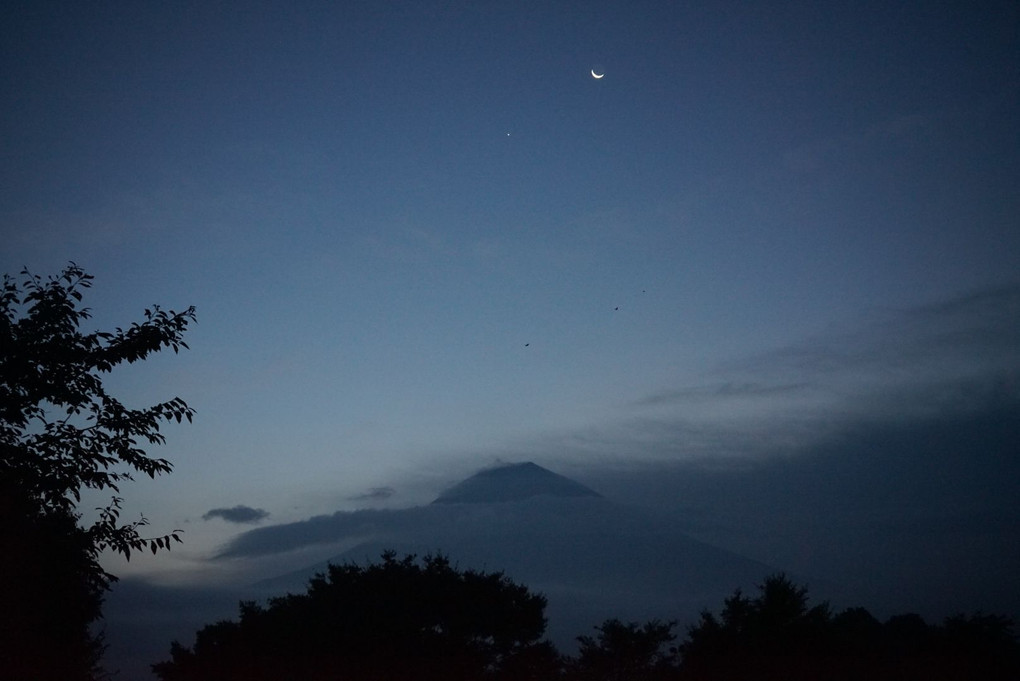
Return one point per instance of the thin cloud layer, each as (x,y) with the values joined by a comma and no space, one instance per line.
(374,494)
(323,529)
(237,514)
(900,365)
(971,336)
(722,390)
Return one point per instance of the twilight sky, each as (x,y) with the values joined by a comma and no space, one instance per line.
(422,239)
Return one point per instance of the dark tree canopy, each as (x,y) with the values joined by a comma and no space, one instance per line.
(60,431)
(774,628)
(394,620)
(408,619)
(49,594)
(778,636)
(626,652)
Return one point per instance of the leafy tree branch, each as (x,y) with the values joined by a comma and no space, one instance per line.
(60,432)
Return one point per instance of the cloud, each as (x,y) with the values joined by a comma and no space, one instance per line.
(338,527)
(973,334)
(912,514)
(237,514)
(855,458)
(860,512)
(374,494)
(726,389)
(868,505)
(955,355)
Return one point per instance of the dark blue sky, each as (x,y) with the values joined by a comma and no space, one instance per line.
(421,238)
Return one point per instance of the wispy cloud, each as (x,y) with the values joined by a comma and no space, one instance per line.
(323,529)
(974,332)
(723,390)
(374,494)
(237,514)
(959,355)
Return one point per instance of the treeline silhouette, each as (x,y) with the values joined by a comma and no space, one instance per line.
(398,619)
(425,619)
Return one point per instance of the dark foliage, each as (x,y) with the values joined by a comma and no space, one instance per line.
(777,636)
(60,431)
(394,620)
(50,593)
(626,652)
(404,619)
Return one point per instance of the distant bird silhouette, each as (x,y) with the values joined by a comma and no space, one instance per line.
(616,308)
(527,344)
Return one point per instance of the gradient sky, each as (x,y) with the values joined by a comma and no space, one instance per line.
(421,238)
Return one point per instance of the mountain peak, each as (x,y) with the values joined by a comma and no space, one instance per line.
(512,482)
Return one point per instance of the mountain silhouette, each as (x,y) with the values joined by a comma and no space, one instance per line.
(512,482)
(591,557)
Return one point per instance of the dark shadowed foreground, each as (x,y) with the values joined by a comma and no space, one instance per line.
(397,619)
(404,619)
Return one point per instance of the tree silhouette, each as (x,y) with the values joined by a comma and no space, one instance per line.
(393,620)
(771,636)
(626,652)
(778,636)
(50,593)
(980,645)
(60,431)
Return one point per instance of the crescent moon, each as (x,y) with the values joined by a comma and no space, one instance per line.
(596,76)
